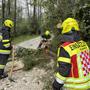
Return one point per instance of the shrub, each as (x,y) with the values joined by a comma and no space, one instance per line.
(22,28)
(55,42)
(88,43)
(29,62)
(32,58)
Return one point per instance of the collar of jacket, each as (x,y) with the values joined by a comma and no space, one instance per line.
(70,37)
(6,28)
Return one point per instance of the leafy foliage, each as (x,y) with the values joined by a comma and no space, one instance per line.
(22,28)
(55,42)
(32,58)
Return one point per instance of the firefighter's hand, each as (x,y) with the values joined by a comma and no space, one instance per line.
(57,86)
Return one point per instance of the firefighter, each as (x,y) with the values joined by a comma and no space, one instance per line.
(73,59)
(45,38)
(5,45)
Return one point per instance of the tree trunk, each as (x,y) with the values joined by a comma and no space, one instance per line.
(9,11)
(28,12)
(34,9)
(3,10)
(39,15)
(34,17)
(15,5)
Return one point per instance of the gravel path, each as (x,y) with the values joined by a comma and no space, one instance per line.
(33,43)
(24,80)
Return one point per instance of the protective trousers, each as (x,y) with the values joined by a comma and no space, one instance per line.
(3,61)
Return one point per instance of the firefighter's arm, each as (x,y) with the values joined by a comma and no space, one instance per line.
(63,68)
(6,39)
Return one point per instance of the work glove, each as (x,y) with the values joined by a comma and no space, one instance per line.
(57,86)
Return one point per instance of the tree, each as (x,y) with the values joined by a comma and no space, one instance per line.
(28,10)
(9,9)
(84,18)
(56,11)
(34,16)
(15,6)
(3,10)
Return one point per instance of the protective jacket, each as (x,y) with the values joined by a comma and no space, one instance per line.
(5,41)
(73,63)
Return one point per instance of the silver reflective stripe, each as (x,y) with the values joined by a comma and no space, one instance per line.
(1,34)
(59,81)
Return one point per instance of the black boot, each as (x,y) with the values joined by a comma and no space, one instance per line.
(57,86)
(3,74)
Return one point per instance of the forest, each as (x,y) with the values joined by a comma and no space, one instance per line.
(31,19)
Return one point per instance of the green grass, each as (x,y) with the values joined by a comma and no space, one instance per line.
(22,38)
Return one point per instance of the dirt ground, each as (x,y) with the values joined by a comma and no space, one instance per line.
(24,80)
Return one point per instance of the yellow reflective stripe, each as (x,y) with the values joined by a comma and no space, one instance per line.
(77,80)
(82,48)
(57,75)
(5,40)
(58,52)
(80,86)
(0,37)
(79,66)
(71,52)
(67,48)
(2,66)
(63,59)
(57,65)
(7,45)
(5,51)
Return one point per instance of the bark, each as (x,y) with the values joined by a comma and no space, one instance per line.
(3,10)
(15,6)
(28,11)
(9,9)
(34,17)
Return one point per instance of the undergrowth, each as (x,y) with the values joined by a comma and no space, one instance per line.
(32,58)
